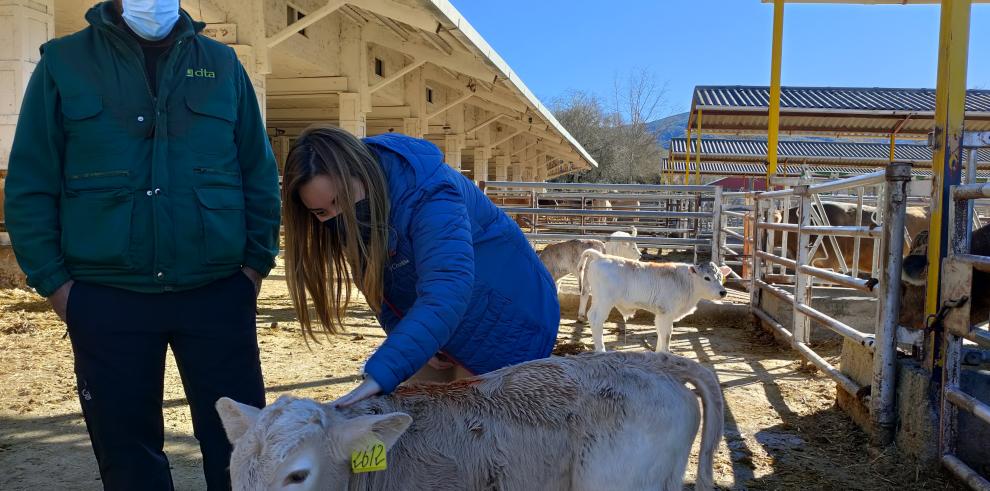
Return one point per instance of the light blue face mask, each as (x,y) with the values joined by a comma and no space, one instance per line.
(151,19)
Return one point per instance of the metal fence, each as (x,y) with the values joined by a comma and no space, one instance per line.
(735,221)
(676,217)
(957,282)
(813,233)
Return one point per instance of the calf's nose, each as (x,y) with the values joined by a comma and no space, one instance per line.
(723,293)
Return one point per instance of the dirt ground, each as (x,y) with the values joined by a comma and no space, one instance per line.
(783,430)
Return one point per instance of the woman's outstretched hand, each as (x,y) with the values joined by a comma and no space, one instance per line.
(367,389)
(438,364)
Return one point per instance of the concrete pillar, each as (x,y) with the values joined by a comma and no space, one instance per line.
(355,104)
(541,171)
(24,26)
(502,168)
(411,127)
(481,156)
(415,98)
(518,171)
(453,144)
(352,118)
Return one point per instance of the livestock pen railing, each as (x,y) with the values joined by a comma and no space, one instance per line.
(676,217)
(734,235)
(957,283)
(813,233)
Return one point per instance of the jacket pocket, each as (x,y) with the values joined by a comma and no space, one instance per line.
(208,126)
(89,133)
(224,226)
(96,228)
(81,107)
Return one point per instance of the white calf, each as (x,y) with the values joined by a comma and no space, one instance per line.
(670,290)
(564,258)
(617,421)
(626,249)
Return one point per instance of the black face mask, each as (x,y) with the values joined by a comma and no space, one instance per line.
(362,212)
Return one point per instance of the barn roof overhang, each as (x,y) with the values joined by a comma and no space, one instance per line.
(836,153)
(828,111)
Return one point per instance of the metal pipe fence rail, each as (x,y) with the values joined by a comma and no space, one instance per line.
(734,224)
(956,283)
(679,217)
(814,233)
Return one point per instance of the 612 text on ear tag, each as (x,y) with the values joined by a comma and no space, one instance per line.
(369,458)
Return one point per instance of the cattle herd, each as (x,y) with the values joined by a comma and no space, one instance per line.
(618,420)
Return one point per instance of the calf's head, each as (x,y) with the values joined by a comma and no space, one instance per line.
(298,444)
(709,280)
(628,250)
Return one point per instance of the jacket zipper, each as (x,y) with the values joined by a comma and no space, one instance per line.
(207,170)
(91,175)
(170,55)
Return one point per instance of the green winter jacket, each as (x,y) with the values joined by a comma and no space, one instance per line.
(111,185)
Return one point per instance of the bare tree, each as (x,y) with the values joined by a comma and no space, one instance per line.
(617,133)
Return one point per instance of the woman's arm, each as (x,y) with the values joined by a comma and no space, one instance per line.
(444,256)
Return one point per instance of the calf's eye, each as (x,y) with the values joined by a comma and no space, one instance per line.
(297,477)
(707,278)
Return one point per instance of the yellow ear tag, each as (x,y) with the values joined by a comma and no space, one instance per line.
(369,458)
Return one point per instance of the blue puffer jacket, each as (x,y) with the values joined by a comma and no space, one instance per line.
(461,278)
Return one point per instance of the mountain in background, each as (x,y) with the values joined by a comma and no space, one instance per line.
(669,127)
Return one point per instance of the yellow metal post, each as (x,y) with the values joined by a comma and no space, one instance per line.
(697,152)
(774,115)
(893,140)
(687,155)
(950,103)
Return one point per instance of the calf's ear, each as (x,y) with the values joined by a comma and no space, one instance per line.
(386,427)
(725,270)
(694,270)
(237,418)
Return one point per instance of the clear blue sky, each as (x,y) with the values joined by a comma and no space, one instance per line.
(559,45)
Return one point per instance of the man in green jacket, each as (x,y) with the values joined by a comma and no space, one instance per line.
(142,199)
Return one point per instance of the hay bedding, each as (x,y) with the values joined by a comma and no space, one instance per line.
(783,430)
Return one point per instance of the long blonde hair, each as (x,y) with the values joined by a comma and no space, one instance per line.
(318,262)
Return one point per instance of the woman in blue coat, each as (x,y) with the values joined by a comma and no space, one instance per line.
(451,278)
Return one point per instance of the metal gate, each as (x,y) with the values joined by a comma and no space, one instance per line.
(957,283)
(770,270)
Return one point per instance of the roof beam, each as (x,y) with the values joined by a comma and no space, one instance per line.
(506,138)
(310,19)
(407,15)
(456,102)
(440,45)
(397,75)
(484,124)
(523,149)
(461,63)
(306,85)
(505,101)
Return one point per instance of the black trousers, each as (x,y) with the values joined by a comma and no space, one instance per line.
(119,339)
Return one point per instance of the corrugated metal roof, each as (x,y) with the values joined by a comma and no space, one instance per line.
(819,151)
(756,169)
(832,98)
(832,111)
